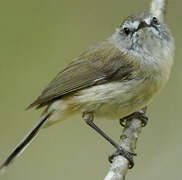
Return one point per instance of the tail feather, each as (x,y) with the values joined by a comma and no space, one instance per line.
(25,142)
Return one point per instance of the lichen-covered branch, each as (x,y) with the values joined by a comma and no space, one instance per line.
(128,138)
(130,134)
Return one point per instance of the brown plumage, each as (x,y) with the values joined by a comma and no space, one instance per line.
(100,64)
(112,79)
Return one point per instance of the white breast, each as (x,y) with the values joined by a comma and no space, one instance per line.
(113,100)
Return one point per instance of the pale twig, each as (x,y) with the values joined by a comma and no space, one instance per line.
(129,137)
(158,8)
(130,134)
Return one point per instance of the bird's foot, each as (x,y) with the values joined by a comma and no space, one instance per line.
(138,114)
(125,154)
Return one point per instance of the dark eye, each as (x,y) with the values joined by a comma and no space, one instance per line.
(155,21)
(126,30)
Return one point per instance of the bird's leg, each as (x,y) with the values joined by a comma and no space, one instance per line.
(140,114)
(88,118)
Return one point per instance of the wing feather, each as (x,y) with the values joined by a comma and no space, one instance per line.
(100,64)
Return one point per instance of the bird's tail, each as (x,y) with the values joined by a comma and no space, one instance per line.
(25,142)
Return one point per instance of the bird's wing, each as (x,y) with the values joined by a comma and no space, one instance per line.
(98,65)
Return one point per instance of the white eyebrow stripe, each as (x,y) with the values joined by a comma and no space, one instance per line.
(135,24)
(147,20)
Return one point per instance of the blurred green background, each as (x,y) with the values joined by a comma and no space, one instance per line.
(38,38)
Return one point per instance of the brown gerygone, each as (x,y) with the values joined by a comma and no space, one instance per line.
(112,79)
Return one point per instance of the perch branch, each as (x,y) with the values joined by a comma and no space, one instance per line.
(130,134)
(158,8)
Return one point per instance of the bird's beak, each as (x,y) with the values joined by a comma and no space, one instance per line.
(142,25)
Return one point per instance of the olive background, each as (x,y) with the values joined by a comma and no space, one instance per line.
(38,38)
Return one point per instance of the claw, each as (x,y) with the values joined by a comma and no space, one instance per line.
(124,153)
(123,122)
(139,114)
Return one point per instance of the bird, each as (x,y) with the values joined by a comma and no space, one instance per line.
(111,79)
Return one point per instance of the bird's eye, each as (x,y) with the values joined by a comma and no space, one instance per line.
(126,31)
(155,21)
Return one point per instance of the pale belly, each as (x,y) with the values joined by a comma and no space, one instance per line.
(108,101)
(114,100)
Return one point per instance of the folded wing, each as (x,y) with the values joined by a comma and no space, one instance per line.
(98,65)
